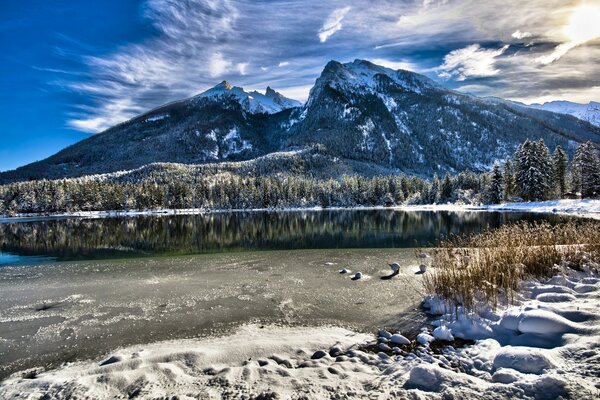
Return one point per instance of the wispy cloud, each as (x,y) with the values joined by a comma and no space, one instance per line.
(583,26)
(196,43)
(521,35)
(333,23)
(470,61)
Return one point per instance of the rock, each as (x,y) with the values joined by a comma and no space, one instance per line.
(384,347)
(318,355)
(345,271)
(384,334)
(111,360)
(395,267)
(335,351)
(425,338)
(423,268)
(357,276)
(399,339)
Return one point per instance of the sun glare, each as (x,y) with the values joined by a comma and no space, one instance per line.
(584,24)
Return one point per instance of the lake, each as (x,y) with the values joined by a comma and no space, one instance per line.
(69,239)
(77,288)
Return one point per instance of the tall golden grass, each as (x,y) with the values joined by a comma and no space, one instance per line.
(490,266)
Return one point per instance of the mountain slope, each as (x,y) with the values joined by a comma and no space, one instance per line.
(360,112)
(407,121)
(588,112)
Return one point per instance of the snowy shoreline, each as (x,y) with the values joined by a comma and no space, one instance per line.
(545,347)
(585,208)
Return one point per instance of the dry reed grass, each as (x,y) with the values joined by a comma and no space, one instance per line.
(490,266)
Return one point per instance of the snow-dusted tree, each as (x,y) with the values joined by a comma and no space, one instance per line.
(446,188)
(495,190)
(533,170)
(435,190)
(586,170)
(510,186)
(560,162)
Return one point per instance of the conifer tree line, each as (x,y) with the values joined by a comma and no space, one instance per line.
(535,174)
(532,174)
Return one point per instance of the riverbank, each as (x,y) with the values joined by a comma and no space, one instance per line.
(546,346)
(585,208)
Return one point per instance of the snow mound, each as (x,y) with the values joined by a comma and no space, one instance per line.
(543,322)
(523,359)
(432,378)
(443,333)
(399,339)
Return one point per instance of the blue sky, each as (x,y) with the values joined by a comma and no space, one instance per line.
(70,69)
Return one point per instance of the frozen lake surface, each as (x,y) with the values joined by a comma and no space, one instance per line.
(53,313)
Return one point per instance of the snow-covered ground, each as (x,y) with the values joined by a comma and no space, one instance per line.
(545,347)
(586,208)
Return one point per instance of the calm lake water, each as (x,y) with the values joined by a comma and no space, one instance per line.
(70,239)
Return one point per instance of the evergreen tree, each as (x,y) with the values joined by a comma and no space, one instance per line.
(435,190)
(533,171)
(510,187)
(560,163)
(586,169)
(495,189)
(446,188)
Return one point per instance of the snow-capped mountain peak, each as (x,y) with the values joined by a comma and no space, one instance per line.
(253,102)
(362,76)
(588,112)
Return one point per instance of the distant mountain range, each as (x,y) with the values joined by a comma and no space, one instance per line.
(360,114)
(588,112)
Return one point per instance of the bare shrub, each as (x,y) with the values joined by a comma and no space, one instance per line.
(489,267)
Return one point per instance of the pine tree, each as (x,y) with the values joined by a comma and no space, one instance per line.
(510,187)
(560,163)
(533,171)
(435,190)
(446,188)
(586,169)
(495,189)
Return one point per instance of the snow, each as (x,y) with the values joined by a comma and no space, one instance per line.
(531,350)
(443,333)
(588,112)
(581,208)
(234,143)
(399,339)
(253,102)
(155,118)
(523,359)
(587,208)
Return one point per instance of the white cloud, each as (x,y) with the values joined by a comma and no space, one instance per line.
(218,65)
(470,61)
(395,64)
(333,23)
(521,35)
(583,26)
(242,68)
(283,64)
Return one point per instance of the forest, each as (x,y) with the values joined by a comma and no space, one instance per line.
(534,173)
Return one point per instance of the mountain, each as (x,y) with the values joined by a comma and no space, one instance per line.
(358,113)
(253,102)
(407,121)
(588,112)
